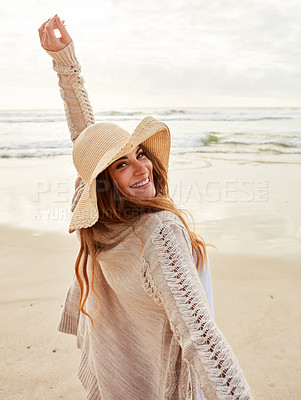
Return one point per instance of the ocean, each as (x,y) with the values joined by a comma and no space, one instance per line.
(44,133)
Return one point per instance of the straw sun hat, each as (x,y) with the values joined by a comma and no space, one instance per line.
(98,146)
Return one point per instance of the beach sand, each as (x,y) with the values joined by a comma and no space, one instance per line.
(247,206)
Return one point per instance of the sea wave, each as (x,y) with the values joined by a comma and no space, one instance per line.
(213,139)
(34,152)
(167,114)
(47,134)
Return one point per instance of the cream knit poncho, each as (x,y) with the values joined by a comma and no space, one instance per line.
(154,337)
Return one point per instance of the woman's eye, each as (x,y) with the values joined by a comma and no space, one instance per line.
(120,165)
(123,164)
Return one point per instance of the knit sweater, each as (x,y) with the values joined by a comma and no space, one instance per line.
(154,337)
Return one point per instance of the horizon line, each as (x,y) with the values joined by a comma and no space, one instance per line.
(154,107)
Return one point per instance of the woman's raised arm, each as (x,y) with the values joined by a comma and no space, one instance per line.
(78,110)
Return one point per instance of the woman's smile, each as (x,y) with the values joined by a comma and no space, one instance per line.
(141,184)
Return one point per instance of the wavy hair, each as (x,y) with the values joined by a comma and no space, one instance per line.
(115,208)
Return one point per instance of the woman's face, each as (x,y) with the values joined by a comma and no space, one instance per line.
(133,173)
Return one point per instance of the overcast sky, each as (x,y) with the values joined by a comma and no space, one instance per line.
(162,53)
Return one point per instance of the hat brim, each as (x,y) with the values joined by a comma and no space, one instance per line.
(154,135)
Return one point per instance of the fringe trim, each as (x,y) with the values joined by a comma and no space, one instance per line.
(171,376)
(185,384)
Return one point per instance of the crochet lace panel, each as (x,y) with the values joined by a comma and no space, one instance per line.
(214,352)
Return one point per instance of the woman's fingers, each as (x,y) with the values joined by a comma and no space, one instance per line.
(48,39)
(41,30)
(50,31)
(66,39)
(55,24)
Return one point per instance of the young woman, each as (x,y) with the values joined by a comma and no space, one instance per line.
(140,313)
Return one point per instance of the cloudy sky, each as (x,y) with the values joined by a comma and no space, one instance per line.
(164,53)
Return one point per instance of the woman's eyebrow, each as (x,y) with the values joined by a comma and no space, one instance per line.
(125,157)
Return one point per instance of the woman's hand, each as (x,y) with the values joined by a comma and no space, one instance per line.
(47,36)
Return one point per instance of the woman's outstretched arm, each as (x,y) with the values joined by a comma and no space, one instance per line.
(78,110)
(170,277)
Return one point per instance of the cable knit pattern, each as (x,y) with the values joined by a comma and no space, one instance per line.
(79,113)
(78,110)
(197,332)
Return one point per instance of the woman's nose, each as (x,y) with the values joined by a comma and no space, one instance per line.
(139,168)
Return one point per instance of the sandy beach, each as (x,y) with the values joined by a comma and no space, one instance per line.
(248,206)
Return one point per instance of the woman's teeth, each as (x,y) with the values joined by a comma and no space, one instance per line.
(141,183)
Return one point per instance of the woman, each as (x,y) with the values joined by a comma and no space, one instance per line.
(136,305)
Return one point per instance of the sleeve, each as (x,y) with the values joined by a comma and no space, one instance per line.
(78,110)
(174,282)
(70,314)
